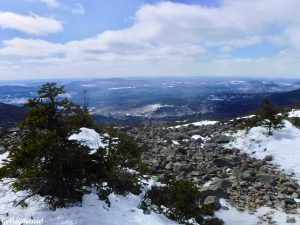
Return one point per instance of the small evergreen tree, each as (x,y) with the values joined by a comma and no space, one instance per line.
(47,162)
(179,200)
(61,170)
(270,116)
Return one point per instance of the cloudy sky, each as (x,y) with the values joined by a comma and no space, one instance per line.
(101,38)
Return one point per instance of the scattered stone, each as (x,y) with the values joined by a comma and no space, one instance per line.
(226,161)
(220,139)
(212,201)
(249,183)
(195,173)
(268,158)
(2,149)
(291,220)
(177,136)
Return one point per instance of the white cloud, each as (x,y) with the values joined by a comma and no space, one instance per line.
(31,48)
(173,39)
(51,3)
(231,45)
(78,9)
(33,24)
(175,26)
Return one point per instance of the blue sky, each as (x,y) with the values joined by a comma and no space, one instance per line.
(86,38)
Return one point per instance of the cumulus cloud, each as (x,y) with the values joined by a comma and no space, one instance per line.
(31,48)
(172,38)
(51,3)
(78,9)
(235,24)
(231,45)
(32,24)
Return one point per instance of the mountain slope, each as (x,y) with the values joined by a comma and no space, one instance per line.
(11,114)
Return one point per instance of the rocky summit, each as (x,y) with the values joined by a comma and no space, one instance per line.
(199,154)
(10,137)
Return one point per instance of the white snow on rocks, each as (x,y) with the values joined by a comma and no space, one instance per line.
(196,137)
(90,138)
(294,113)
(3,156)
(283,145)
(200,123)
(175,142)
(232,216)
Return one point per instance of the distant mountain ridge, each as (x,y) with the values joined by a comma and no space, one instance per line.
(11,114)
(140,100)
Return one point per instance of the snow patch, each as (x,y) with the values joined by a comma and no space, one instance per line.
(196,137)
(14,101)
(283,145)
(175,142)
(232,216)
(123,210)
(2,157)
(120,88)
(90,138)
(294,113)
(198,124)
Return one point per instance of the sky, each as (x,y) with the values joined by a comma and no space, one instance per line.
(41,39)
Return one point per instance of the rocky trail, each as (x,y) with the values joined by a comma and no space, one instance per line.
(199,154)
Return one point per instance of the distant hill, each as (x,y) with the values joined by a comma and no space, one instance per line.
(285,98)
(11,114)
(243,104)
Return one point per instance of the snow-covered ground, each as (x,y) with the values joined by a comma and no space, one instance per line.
(14,101)
(146,110)
(90,138)
(283,145)
(294,113)
(200,123)
(232,216)
(123,210)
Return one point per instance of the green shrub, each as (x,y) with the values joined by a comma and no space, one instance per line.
(61,170)
(249,123)
(270,116)
(295,121)
(178,200)
(123,181)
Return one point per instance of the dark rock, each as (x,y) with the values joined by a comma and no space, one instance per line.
(212,201)
(291,220)
(266,179)
(213,190)
(289,201)
(268,158)
(226,161)
(220,139)
(210,146)
(2,149)
(291,185)
(14,129)
(167,150)
(195,173)
(176,136)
